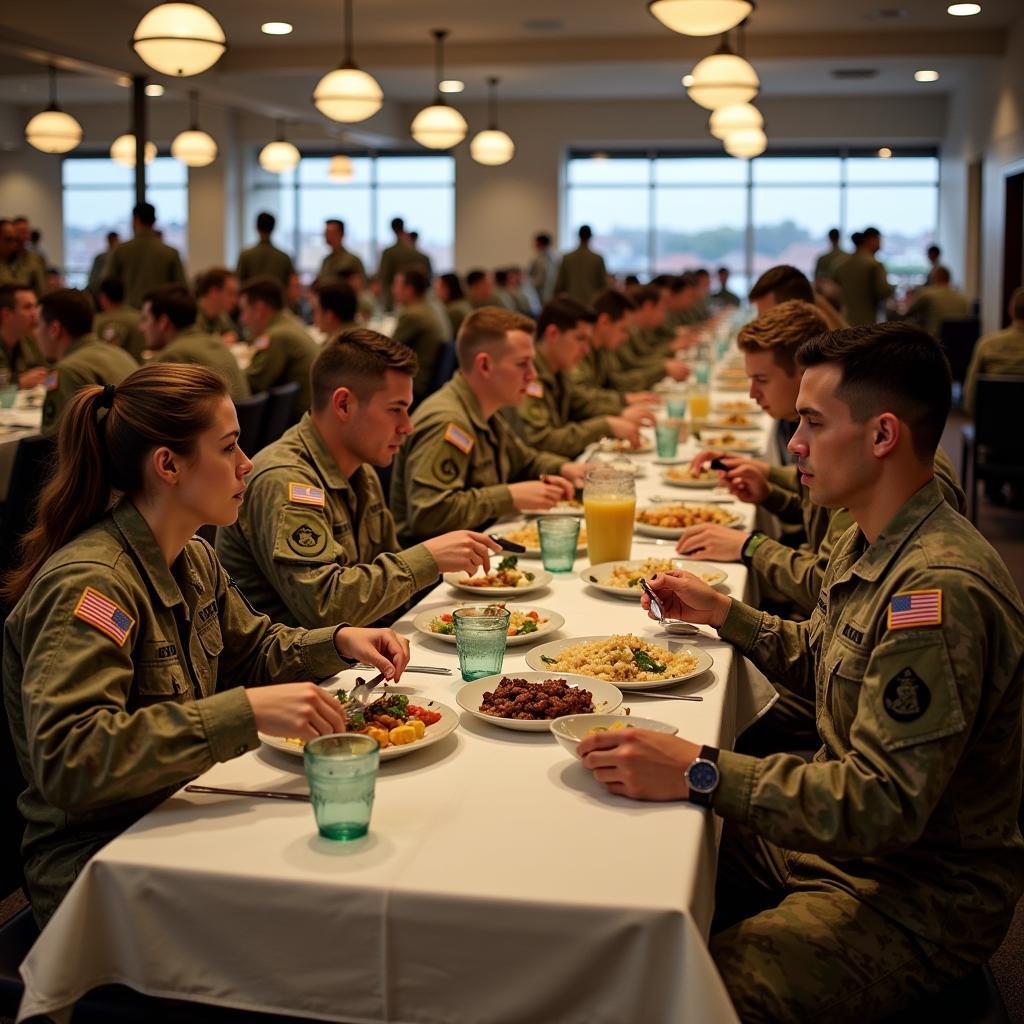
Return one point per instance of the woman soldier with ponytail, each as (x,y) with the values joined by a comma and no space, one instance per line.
(131,661)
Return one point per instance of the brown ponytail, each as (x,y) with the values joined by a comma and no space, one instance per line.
(104,437)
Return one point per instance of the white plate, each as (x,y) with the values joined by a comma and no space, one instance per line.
(674,532)
(555,647)
(603,571)
(563,508)
(617,446)
(541,578)
(506,528)
(606,697)
(555,621)
(731,385)
(743,444)
(719,421)
(434,733)
(703,484)
(571,730)
(724,408)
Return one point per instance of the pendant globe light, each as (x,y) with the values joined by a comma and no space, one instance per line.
(700,17)
(348,93)
(179,40)
(340,168)
(122,151)
(439,126)
(279,156)
(52,130)
(723,78)
(492,147)
(726,120)
(194,148)
(746,143)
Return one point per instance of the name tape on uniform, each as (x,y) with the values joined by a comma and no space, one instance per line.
(535,389)
(458,437)
(303,494)
(99,611)
(915,608)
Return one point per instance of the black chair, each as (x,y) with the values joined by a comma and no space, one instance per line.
(279,412)
(33,461)
(958,338)
(993,446)
(251,413)
(444,370)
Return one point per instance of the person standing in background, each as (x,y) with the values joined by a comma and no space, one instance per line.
(827,262)
(98,263)
(400,254)
(117,323)
(264,258)
(418,327)
(543,269)
(339,260)
(934,254)
(863,280)
(582,273)
(144,262)
(724,297)
(27,266)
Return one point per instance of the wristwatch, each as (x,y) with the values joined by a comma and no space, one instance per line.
(754,541)
(702,776)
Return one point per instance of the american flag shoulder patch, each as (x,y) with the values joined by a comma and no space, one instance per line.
(261,343)
(458,437)
(535,389)
(915,608)
(99,611)
(52,380)
(303,494)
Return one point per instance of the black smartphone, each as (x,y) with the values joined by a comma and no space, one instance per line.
(719,463)
(507,545)
(655,603)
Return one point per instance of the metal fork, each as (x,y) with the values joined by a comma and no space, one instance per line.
(359,695)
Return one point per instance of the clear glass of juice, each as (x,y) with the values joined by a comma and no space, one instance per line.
(609,505)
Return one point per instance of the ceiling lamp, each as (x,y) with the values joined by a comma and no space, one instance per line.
(52,130)
(439,126)
(726,120)
(340,168)
(723,79)
(700,17)
(348,93)
(492,147)
(279,156)
(194,148)
(122,151)
(179,39)
(746,143)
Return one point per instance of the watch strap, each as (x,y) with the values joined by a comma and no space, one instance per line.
(754,541)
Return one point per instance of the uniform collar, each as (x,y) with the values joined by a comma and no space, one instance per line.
(875,559)
(82,342)
(545,374)
(321,454)
(139,536)
(469,401)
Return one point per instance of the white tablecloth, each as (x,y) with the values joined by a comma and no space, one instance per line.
(17,423)
(499,882)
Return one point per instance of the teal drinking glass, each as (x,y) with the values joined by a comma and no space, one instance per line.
(342,773)
(559,536)
(481,633)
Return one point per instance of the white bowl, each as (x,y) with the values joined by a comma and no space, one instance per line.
(572,729)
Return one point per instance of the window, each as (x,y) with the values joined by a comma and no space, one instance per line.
(419,189)
(658,213)
(98,197)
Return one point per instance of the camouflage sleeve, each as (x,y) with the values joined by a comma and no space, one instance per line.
(561,279)
(436,478)
(534,423)
(882,287)
(639,378)
(57,399)
(587,402)
(529,463)
(914,716)
(93,739)
(177,270)
(971,380)
(785,505)
(949,482)
(268,363)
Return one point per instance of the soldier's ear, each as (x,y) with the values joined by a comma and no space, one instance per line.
(886,434)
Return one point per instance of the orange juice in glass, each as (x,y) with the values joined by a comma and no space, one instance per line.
(609,505)
(700,404)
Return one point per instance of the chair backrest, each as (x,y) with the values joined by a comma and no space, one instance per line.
(279,412)
(251,412)
(445,368)
(958,338)
(33,461)
(997,404)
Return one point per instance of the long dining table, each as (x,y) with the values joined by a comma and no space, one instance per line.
(498,883)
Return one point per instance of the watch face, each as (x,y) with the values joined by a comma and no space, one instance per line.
(703,776)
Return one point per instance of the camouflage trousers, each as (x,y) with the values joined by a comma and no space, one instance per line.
(788,725)
(796,949)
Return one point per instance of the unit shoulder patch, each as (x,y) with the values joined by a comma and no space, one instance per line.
(261,343)
(535,389)
(456,436)
(906,696)
(103,614)
(913,608)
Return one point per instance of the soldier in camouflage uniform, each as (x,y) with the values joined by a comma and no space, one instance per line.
(314,542)
(646,358)
(999,353)
(889,865)
(264,259)
(559,414)
(144,262)
(419,327)
(463,466)
(132,664)
(117,323)
(339,260)
(582,273)
(216,299)
(19,353)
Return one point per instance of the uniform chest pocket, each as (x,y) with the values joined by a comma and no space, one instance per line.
(211,637)
(159,681)
(844,681)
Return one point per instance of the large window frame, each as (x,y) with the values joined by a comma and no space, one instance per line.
(748,186)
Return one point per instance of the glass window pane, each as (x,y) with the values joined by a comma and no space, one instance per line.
(620,218)
(316,205)
(700,227)
(164,170)
(95,171)
(700,171)
(917,169)
(430,211)
(906,216)
(788,170)
(609,171)
(406,170)
(792,227)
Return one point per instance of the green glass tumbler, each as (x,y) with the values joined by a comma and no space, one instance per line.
(559,537)
(342,773)
(666,436)
(481,633)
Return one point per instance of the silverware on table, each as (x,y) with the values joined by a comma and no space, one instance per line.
(626,694)
(428,670)
(270,794)
(359,695)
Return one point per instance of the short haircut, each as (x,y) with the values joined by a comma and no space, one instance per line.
(543,239)
(585,233)
(940,275)
(145,214)
(632,279)
(339,223)
(565,313)
(69,307)
(664,280)
(338,298)
(112,288)
(857,238)
(397,224)
(701,272)
(934,250)
(1017,304)
(264,289)
(782,330)
(784,282)
(501,277)
(724,270)
(475,277)
(889,367)
(682,282)
(613,304)
(174,302)
(358,360)
(646,293)
(415,279)
(487,329)
(265,223)
(833,235)
(454,286)
(871,233)
(111,235)
(208,280)
(8,293)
